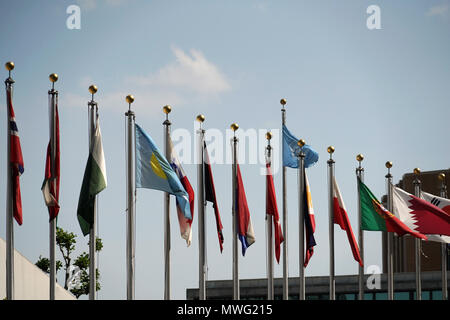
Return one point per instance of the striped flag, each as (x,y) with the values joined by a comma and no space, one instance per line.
(272,209)
(244,226)
(310,222)
(185,223)
(50,186)
(15,161)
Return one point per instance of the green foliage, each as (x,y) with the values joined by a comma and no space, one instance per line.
(44,264)
(66,242)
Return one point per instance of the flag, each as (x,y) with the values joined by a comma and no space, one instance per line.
(374,217)
(15,162)
(291,151)
(153,171)
(341,218)
(272,209)
(441,203)
(309,222)
(420,215)
(50,186)
(94,181)
(185,223)
(244,223)
(210,195)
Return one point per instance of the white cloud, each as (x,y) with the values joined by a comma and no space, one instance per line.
(189,72)
(439,10)
(188,79)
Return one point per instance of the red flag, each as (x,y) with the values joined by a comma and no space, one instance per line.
(210,195)
(341,218)
(15,161)
(272,209)
(49,189)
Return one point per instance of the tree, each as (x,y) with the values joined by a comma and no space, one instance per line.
(66,243)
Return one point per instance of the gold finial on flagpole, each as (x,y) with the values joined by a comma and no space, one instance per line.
(129,99)
(416,171)
(93,89)
(167,109)
(359,157)
(441,176)
(269,135)
(9,65)
(388,164)
(53,77)
(234,127)
(301,143)
(330,150)
(200,118)
(283,102)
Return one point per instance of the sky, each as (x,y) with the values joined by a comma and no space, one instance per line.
(381,92)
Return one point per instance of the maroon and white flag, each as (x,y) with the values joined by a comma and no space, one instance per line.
(420,215)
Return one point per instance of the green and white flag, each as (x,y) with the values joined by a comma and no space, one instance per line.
(94,181)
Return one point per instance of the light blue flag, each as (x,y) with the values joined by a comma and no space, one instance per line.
(291,151)
(153,171)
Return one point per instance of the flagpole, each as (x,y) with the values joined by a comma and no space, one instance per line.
(93,114)
(301,218)
(418,243)
(390,235)
(269,217)
(131,193)
(167,109)
(330,162)
(201,211)
(53,102)
(9,208)
(443,194)
(360,175)
(236,291)
(285,217)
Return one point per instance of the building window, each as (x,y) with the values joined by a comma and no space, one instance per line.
(402,295)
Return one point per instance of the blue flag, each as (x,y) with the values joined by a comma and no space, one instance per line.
(153,171)
(291,151)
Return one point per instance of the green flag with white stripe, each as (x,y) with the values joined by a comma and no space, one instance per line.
(94,181)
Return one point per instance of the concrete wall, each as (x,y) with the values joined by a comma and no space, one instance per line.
(30,282)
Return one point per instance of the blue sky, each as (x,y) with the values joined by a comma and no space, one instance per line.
(384,93)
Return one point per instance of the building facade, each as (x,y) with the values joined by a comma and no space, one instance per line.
(317,288)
